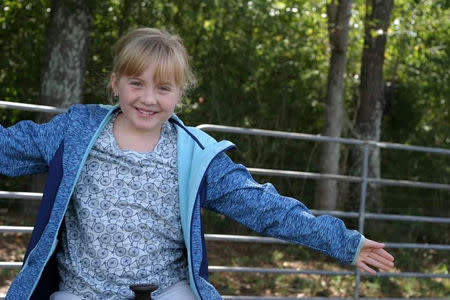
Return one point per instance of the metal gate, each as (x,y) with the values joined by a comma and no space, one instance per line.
(361,215)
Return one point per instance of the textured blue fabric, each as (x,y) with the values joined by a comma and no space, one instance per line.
(206,178)
(76,128)
(79,129)
(28,149)
(51,187)
(32,147)
(233,192)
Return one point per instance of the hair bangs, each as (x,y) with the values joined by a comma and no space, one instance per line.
(167,65)
(168,68)
(133,62)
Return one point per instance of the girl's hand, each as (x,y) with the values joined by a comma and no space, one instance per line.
(373,254)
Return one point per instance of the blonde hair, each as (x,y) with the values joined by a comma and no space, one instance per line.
(142,47)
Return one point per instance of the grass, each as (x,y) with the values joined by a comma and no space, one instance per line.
(296,257)
(12,248)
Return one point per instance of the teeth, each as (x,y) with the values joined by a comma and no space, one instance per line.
(146,112)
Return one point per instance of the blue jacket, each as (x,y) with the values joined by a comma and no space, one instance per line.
(207,178)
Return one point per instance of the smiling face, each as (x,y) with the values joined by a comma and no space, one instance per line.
(146,101)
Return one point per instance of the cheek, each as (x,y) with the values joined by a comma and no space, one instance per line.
(170,107)
(171,103)
(126,94)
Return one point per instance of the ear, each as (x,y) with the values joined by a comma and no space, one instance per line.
(114,81)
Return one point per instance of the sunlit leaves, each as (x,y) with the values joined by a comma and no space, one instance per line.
(255,60)
(418,50)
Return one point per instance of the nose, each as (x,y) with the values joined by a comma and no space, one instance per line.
(149,97)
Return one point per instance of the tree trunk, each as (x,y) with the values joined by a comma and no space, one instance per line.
(338,20)
(370,112)
(124,22)
(65,63)
(67,48)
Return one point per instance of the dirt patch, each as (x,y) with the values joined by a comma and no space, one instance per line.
(12,249)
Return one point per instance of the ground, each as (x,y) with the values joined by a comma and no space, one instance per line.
(12,248)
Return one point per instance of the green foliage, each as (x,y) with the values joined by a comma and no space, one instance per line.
(418,51)
(23,26)
(264,64)
(259,64)
(417,111)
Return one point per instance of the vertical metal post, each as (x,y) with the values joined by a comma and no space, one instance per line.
(362,207)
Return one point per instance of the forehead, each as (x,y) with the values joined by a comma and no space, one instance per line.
(155,74)
(160,68)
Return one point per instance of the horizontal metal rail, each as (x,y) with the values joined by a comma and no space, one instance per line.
(392,217)
(10,265)
(376,216)
(2,297)
(381,181)
(299,174)
(31,107)
(319,138)
(20,195)
(269,240)
(251,239)
(317,298)
(17,265)
(320,272)
(409,183)
(250,131)
(16,229)
(278,271)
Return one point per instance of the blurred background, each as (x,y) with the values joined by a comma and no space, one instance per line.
(370,70)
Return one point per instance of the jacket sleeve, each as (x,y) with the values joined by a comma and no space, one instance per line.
(27,147)
(232,191)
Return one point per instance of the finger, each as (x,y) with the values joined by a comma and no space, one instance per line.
(364,267)
(375,263)
(384,254)
(382,265)
(385,263)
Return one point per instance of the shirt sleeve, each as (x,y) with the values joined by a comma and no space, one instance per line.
(27,147)
(232,192)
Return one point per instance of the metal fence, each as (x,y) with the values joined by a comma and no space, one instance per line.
(361,215)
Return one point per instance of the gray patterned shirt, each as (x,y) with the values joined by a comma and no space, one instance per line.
(123,225)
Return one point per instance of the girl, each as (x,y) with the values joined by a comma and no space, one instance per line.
(126,184)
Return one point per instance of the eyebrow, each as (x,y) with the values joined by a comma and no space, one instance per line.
(135,77)
(164,82)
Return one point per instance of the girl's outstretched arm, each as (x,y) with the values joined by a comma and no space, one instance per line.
(232,191)
(373,254)
(27,147)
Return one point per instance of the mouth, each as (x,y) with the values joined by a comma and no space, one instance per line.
(146,112)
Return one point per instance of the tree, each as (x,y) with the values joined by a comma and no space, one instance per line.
(372,95)
(338,27)
(67,48)
(65,63)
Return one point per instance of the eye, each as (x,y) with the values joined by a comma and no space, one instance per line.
(135,82)
(165,87)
